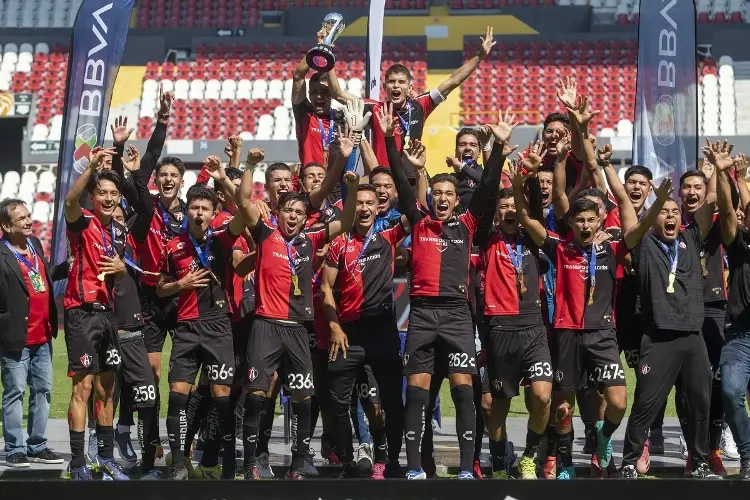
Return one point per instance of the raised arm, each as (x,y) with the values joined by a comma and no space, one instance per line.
(567,93)
(628,217)
(346,222)
(740,169)
(144,209)
(533,227)
(253,211)
(337,94)
(73,210)
(120,135)
(704,216)
(416,154)
(159,135)
(636,232)
(722,162)
(558,197)
(299,85)
(457,77)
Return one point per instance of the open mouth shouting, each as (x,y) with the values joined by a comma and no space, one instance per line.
(670,228)
(587,236)
(635,196)
(383,203)
(397,95)
(692,203)
(169,189)
(364,217)
(442,209)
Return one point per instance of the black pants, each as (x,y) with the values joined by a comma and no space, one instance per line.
(664,356)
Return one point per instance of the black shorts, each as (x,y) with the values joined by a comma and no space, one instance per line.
(279,346)
(91,341)
(159,317)
(713,334)
(514,355)
(372,364)
(592,351)
(206,342)
(629,334)
(136,372)
(440,336)
(240,337)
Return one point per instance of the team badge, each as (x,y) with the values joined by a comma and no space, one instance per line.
(645,369)
(86,360)
(252,374)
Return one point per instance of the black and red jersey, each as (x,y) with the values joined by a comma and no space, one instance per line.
(440,256)
(88,243)
(573,283)
(181,257)
(165,225)
(277,264)
(713,266)
(328,212)
(312,132)
(221,221)
(510,302)
(365,272)
(127,300)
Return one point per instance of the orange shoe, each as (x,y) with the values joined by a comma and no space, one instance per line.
(716,464)
(550,468)
(643,464)
(477,469)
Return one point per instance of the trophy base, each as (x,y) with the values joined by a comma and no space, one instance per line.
(321,58)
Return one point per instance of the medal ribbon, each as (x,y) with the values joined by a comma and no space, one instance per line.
(111,250)
(289,246)
(370,236)
(326,138)
(516,257)
(165,218)
(203,254)
(22,258)
(405,124)
(672,261)
(591,261)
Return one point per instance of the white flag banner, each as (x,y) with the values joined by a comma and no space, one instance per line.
(374,48)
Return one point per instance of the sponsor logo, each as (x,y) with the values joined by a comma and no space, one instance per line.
(645,369)
(558,376)
(252,374)
(86,360)
(85,141)
(664,128)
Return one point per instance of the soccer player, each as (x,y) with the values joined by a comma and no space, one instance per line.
(735,372)
(198,266)
(464,163)
(95,244)
(283,302)
(440,321)
(668,265)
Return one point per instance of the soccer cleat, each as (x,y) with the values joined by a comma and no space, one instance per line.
(152,475)
(111,470)
(264,466)
(501,466)
(683,447)
(378,471)
(656,443)
(611,470)
(82,473)
(309,470)
(393,469)
(364,458)
(703,471)
(628,472)
(205,472)
(688,466)
(567,473)
(716,464)
(643,464)
(295,475)
(603,445)
(429,467)
(177,473)
(728,446)
(327,453)
(251,473)
(596,469)
(477,469)
(527,468)
(416,474)
(550,468)
(125,447)
(465,475)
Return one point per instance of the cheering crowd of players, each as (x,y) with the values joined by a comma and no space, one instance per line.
(536,271)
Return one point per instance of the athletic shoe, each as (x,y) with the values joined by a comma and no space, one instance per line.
(477,469)
(728,446)
(46,456)
(111,470)
(251,473)
(683,447)
(17,461)
(603,445)
(393,469)
(611,470)
(82,473)
(745,470)
(364,458)
(643,464)
(295,475)
(596,469)
(550,468)
(567,473)
(264,466)
(503,468)
(656,443)
(125,447)
(704,472)
(688,466)
(152,475)
(308,470)
(589,446)
(716,464)
(205,472)
(348,471)
(628,472)
(527,468)
(429,467)
(178,473)
(416,474)
(327,453)
(378,471)
(93,449)
(465,475)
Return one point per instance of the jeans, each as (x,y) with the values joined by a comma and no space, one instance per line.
(32,366)
(361,429)
(735,375)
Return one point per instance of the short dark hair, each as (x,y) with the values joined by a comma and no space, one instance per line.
(582,204)
(380,170)
(103,175)
(444,178)
(171,160)
(6,206)
(594,192)
(311,164)
(504,193)
(639,170)
(202,192)
(273,167)
(292,197)
(366,187)
(319,78)
(556,117)
(398,69)
(468,131)
(693,173)
(233,173)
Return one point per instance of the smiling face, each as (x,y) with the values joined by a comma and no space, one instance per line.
(313,177)
(693,193)
(292,218)
(443,199)
(367,207)
(585,225)
(320,97)
(20,223)
(105,198)
(279,182)
(667,225)
(200,212)
(169,181)
(505,216)
(638,187)
(386,191)
(468,147)
(545,183)
(397,87)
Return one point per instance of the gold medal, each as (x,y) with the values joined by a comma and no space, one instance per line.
(591,296)
(295,283)
(704,269)
(325,158)
(670,286)
(521,283)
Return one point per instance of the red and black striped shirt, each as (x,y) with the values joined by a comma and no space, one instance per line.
(159,233)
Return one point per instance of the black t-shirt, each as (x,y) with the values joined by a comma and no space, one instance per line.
(683,309)
(738,306)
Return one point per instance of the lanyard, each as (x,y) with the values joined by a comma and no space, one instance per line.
(370,236)
(516,257)
(289,245)
(109,251)
(21,258)
(591,261)
(274,221)
(203,254)
(165,218)
(672,262)
(326,139)
(405,124)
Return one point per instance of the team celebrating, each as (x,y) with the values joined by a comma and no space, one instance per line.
(533,272)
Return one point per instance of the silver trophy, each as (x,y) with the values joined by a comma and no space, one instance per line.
(320,57)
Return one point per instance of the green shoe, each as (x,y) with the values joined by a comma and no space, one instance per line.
(527,468)
(567,473)
(203,472)
(603,446)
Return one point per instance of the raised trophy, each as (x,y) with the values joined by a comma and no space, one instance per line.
(320,57)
